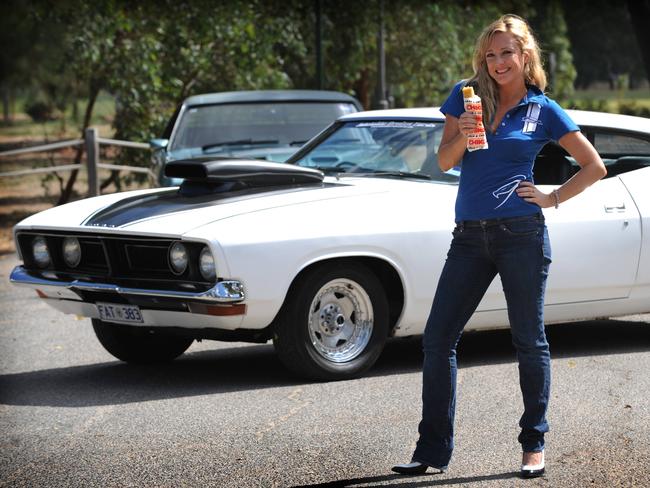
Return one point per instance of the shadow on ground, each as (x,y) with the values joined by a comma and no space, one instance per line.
(411,482)
(257,367)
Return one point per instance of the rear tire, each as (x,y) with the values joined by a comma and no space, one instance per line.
(138,346)
(334,323)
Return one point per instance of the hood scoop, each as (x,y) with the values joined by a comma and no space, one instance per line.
(248,173)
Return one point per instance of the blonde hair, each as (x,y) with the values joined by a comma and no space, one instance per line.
(534,73)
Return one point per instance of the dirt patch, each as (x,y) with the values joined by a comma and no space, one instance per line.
(20,197)
(620,464)
(10,217)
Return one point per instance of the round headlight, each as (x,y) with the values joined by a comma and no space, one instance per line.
(40,252)
(206,265)
(71,251)
(178,258)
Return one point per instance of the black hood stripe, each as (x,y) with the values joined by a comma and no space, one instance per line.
(142,207)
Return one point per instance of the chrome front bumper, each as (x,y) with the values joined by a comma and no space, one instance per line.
(223,292)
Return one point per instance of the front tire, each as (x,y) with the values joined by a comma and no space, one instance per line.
(334,323)
(138,346)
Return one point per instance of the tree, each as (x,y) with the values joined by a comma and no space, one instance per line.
(16,30)
(556,49)
(639,11)
(32,61)
(602,47)
(150,56)
(98,43)
(428,52)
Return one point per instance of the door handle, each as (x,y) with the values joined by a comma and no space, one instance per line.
(620,208)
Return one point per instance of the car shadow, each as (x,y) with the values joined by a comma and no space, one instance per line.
(476,348)
(257,367)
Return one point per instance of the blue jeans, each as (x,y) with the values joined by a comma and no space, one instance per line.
(518,249)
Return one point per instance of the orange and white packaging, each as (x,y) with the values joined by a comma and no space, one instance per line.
(477,139)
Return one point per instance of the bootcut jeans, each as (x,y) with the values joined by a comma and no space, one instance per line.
(518,250)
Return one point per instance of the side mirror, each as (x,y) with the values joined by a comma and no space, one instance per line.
(158,143)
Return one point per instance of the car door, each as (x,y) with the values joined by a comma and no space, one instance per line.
(595,236)
(607,215)
(595,240)
(596,243)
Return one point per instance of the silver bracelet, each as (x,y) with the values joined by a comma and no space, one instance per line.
(556,195)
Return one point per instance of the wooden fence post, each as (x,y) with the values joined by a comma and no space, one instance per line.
(92,158)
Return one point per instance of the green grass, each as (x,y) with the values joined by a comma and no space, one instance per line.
(66,127)
(641,96)
(614,100)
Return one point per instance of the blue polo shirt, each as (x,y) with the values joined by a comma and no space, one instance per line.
(489,177)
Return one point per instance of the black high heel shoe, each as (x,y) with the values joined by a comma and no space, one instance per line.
(414,468)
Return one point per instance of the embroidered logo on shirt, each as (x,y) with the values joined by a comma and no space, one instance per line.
(508,189)
(531,120)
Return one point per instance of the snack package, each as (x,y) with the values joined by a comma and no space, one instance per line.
(478,139)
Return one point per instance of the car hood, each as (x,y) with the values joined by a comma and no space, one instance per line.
(167,212)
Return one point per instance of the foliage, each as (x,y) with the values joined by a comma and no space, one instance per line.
(594,105)
(151,55)
(639,16)
(633,108)
(427,52)
(28,59)
(556,47)
(39,111)
(422,68)
(603,43)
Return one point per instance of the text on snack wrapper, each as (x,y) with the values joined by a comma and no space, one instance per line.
(476,142)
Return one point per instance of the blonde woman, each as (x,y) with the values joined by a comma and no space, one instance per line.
(499,229)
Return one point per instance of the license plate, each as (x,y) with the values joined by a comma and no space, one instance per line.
(117,312)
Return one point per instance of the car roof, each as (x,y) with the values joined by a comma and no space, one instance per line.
(631,123)
(248,96)
(581,117)
(396,114)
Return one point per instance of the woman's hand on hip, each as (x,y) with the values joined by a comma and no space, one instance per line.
(531,194)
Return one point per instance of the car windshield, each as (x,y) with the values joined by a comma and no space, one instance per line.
(382,148)
(217,127)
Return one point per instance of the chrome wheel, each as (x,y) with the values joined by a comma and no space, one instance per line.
(340,320)
(334,322)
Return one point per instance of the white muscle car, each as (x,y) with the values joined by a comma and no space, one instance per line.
(332,254)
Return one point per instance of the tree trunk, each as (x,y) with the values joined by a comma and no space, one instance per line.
(6,111)
(362,89)
(640,17)
(67,192)
(113,178)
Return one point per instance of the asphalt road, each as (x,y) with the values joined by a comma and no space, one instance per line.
(229,415)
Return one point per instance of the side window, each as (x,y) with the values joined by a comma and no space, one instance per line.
(612,144)
(622,152)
